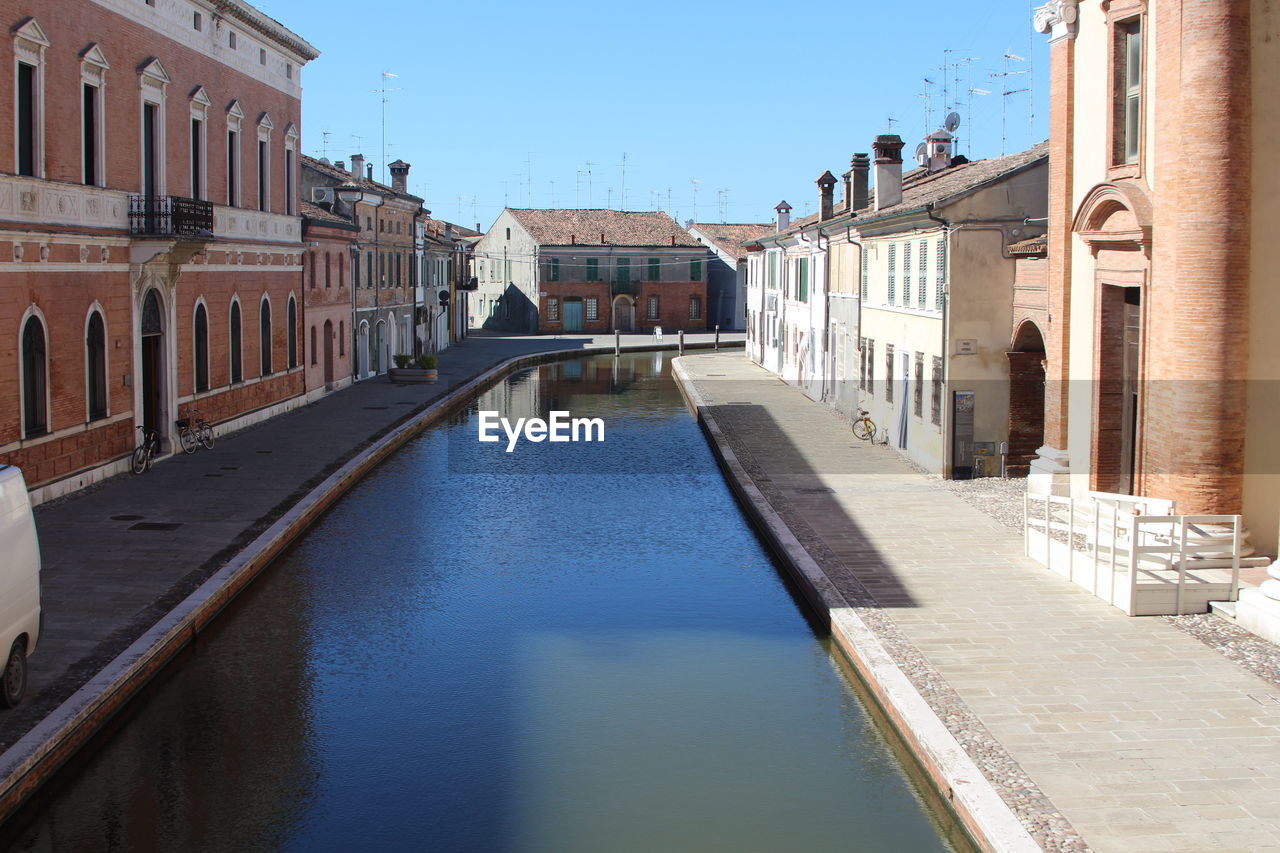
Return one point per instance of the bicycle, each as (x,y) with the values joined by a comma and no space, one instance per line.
(190,435)
(863,427)
(145,453)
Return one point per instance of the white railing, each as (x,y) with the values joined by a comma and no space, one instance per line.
(1135,553)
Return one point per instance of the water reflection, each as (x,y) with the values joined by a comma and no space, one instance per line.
(598,657)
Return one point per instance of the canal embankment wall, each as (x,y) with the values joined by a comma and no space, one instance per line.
(974,802)
(35,757)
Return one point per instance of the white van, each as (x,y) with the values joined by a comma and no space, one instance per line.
(20,616)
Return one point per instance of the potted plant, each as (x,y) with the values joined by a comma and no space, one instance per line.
(415,369)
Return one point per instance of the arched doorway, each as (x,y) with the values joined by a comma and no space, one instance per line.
(380,347)
(328,353)
(151,329)
(1114,220)
(1026,397)
(362,350)
(624,314)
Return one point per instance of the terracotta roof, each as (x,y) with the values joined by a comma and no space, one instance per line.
(618,227)
(920,189)
(1031,246)
(343,176)
(729,238)
(320,216)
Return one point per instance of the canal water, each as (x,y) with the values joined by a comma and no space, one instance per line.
(569,647)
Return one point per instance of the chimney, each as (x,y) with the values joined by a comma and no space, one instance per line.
(784,215)
(340,165)
(860,167)
(478,231)
(826,195)
(888,151)
(369,168)
(399,176)
(846,204)
(357,166)
(938,150)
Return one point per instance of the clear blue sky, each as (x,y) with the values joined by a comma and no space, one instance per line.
(753,98)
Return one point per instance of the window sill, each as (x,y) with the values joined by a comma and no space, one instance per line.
(1124,170)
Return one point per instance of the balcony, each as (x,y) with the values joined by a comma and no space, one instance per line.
(170,216)
(627,287)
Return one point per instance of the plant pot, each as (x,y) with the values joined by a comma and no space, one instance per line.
(413,374)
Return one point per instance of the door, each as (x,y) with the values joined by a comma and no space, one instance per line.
(573,315)
(380,347)
(623,314)
(328,352)
(900,394)
(1129,413)
(152,367)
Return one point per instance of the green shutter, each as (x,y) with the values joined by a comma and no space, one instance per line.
(555,269)
(695,270)
(804,279)
(593,269)
(655,269)
(624,270)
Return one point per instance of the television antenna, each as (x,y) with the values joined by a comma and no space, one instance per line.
(382,93)
(695,183)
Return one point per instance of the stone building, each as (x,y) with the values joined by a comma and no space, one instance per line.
(589,271)
(149,226)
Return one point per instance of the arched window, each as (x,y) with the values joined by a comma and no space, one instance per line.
(202,348)
(313,344)
(292,316)
(237,368)
(95,344)
(264,336)
(35,380)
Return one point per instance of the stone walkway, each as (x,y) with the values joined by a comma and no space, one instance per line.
(1099,731)
(105,580)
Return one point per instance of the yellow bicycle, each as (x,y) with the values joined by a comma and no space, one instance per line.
(863,427)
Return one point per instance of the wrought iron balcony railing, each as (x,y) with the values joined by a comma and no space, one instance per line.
(170,216)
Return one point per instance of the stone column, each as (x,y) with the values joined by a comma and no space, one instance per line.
(1049,469)
(1196,305)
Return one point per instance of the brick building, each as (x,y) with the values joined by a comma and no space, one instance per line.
(327,295)
(589,271)
(148,226)
(1160,344)
(386,260)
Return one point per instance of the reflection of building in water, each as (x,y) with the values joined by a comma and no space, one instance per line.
(213,760)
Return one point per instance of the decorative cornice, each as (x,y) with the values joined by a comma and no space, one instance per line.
(1057,19)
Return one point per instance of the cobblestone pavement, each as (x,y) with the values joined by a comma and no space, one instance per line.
(106,581)
(1099,730)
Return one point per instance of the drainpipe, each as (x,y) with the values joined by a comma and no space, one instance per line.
(826,313)
(948,442)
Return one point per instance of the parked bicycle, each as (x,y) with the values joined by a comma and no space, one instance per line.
(194,430)
(147,451)
(863,427)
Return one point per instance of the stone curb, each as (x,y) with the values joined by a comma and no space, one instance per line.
(976,804)
(36,756)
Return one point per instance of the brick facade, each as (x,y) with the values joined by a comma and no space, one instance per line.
(73,252)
